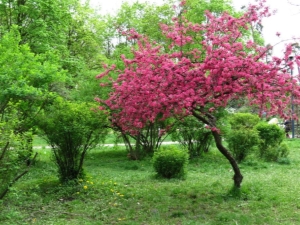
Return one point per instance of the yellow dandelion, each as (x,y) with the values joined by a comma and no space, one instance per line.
(85,187)
(121,195)
(91,183)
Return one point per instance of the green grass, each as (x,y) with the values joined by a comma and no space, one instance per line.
(119,191)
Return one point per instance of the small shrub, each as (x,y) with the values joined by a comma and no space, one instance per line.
(192,135)
(243,120)
(274,153)
(271,134)
(71,129)
(242,142)
(271,147)
(170,162)
(242,139)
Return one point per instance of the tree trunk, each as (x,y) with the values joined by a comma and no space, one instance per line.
(238,177)
(210,120)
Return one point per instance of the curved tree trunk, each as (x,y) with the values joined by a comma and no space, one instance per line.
(238,177)
(210,120)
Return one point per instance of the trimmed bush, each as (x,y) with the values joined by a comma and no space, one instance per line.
(276,153)
(170,162)
(242,139)
(243,120)
(242,142)
(271,147)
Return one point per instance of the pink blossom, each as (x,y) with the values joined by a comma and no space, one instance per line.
(159,83)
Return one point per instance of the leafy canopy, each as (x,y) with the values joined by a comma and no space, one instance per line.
(200,80)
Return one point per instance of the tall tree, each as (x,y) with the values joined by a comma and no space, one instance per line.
(202,81)
(27,83)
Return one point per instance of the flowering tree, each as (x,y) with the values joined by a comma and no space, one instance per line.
(181,81)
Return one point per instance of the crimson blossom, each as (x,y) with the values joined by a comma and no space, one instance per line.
(223,65)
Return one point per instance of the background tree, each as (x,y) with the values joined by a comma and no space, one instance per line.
(201,81)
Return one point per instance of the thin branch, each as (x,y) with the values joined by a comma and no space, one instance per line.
(17,177)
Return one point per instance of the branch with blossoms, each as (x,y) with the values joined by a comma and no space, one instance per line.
(224,65)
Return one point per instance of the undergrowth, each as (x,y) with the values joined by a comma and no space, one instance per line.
(119,191)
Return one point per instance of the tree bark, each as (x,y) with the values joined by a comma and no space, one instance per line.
(210,120)
(238,177)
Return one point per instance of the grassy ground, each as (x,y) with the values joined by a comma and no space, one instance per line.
(119,191)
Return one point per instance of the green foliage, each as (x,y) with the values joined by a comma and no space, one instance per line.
(276,153)
(170,162)
(192,135)
(272,136)
(116,188)
(243,120)
(242,139)
(147,140)
(15,156)
(71,129)
(26,80)
(242,142)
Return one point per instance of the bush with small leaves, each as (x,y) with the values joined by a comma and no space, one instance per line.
(242,139)
(170,162)
(242,142)
(276,153)
(15,156)
(271,146)
(243,120)
(71,129)
(193,135)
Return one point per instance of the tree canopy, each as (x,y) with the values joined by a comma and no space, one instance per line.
(199,81)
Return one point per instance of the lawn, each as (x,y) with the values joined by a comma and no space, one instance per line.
(119,191)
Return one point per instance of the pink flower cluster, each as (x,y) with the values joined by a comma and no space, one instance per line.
(223,66)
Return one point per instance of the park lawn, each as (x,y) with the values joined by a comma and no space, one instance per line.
(119,191)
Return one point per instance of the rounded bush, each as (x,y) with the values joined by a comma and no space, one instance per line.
(276,153)
(272,136)
(243,120)
(170,162)
(242,142)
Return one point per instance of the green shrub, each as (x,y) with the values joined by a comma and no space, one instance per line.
(15,156)
(170,162)
(242,139)
(276,153)
(243,120)
(192,135)
(272,136)
(242,142)
(71,129)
